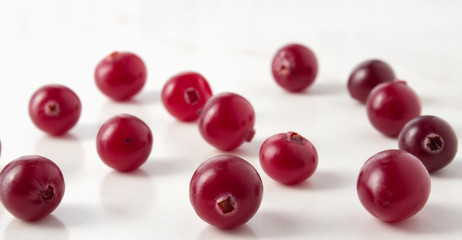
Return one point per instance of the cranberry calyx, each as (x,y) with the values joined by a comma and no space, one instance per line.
(434,143)
(294,137)
(47,193)
(114,55)
(226,205)
(191,96)
(250,136)
(52,108)
(285,68)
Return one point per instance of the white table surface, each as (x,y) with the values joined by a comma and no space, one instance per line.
(231,43)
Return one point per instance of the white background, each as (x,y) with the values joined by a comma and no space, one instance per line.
(231,43)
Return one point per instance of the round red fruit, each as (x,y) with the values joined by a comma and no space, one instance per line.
(226,191)
(124,142)
(391,105)
(393,185)
(366,76)
(121,75)
(431,139)
(31,187)
(288,158)
(185,94)
(294,67)
(226,121)
(55,109)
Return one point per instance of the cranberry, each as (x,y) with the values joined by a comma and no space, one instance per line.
(431,139)
(288,158)
(226,191)
(366,76)
(121,75)
(227,120)
(55,109)
(124,142)
(393,185)
(391,105)
(185,94)
(31,187)
(294,67)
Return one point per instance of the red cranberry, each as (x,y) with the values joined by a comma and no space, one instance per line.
(226,191)
(288,158)
(227,120)
(294,67)
(124,142)
(31,187)
(393,185)
(185,94)
(431,139)
(391,105)
(121,75)
(54,109)
(366,76)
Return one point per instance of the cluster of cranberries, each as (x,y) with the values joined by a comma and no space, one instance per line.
(226,191)
(394,184)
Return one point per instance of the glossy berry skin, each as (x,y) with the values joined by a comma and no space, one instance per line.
(288,158)
(120,75)
(431,139)
(124,142)
(393,185)
(391,105)
(366,76)
(226,191)
(31,187)
(55,109)
(227,121)
(185,94)
(294,67)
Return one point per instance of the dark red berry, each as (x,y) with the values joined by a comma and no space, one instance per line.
(393,185)
(121,75)
(366,76)
(185,94)
(288,158)
(431,139)
(31,187)
(124,142)
(226,121)
(54,109)
(294,67)
(391,105)
(226,191)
